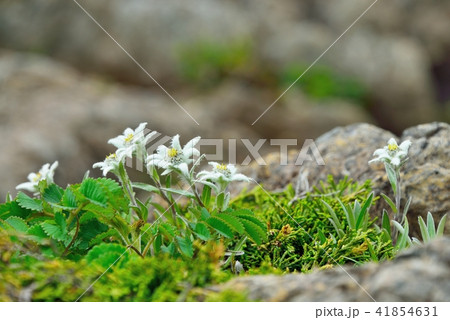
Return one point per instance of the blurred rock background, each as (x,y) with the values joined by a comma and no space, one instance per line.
(66,87)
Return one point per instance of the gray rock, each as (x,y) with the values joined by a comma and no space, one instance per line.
(417,274)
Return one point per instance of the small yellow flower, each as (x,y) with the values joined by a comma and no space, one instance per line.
(392,147)
(129,138)
(221,167)
(172,153)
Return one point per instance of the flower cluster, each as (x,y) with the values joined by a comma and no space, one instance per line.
(47,173)
(393,154)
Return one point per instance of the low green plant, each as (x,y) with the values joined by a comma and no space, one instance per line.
(396,226)
(84,215)
(315,231)
(34,277)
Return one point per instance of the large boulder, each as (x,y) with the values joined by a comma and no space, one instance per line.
(346,152)
(418,274)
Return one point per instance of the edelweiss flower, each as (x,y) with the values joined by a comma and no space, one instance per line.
(47,172)
(175,158)
(111,163)
(393,153)
(132,141)
(222,175)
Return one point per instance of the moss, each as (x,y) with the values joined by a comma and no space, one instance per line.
(301,236)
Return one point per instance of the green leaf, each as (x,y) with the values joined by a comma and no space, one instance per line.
(423,230)
(220,226)
(99,238)
(106,254)
(205,214)
(37,233)
(334,219)
(441,226)
(29,203)
(254,232)
(406,208)
(386,223)
(185,246)
(93,191)
(53,194)
(17,224)
(54,231)
(431,226)
(206,195)
(220,200)
(60,220)
(363,213)
(233,222)
(184,193)
(145,187)
(248,215)
(69,201)
(392,176)
(202,231)
(389,202)
(349,213)
(167,229)
(13,209)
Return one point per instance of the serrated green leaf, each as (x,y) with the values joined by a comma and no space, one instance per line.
(37,233)
(53,194)
(87,216)
(107,254)
(205,214)
(202,231)
(220,226)
(185,246)
(60,220)
(12,209)
(167,229)
(248,215)
(254,232)
(99,238)
(233,222)
(54,231)
(93,191)
(69,200)
(17,224)
(29,203)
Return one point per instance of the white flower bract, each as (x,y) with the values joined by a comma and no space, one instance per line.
(392,154)
(222,175)
(111,163)
(131,142)
(47,172)
(174,158)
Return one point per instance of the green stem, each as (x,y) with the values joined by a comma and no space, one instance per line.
(148,245)
(73,239)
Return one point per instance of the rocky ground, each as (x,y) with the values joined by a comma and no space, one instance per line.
(346,152)
(418,274)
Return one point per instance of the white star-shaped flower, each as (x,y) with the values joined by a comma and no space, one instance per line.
(47,172)
(111,163)
(392,154)
(175,158)
(222,175)
(132,142)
